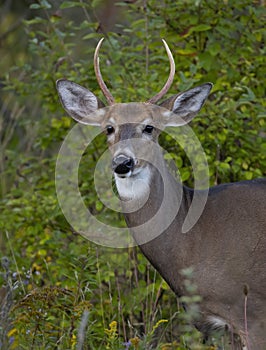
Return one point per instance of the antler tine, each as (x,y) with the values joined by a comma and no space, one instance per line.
(170,79)
(105,90)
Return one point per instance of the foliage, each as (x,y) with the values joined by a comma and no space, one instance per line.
(55,276)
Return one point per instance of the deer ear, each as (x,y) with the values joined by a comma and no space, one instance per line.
(185,106)
(80,103)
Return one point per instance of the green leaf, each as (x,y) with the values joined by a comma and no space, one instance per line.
(223,165)
(68,4)
(200,28)
(90,36)
(249,175)
(45,4)
(98,205)
(185,174)
(35,6)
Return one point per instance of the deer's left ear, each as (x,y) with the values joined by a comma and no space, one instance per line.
(185,106)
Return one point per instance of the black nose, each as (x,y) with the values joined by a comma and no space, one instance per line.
(122,164)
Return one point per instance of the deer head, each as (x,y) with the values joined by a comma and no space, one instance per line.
(126,121)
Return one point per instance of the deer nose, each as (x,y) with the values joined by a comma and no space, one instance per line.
(122,164)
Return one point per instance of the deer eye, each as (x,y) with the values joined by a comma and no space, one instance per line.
(148,129)
(109,129)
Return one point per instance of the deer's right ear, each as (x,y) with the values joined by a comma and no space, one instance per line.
(79,102)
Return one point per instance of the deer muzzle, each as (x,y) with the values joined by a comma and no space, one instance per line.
(122,165)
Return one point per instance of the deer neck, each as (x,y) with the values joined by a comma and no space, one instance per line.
(152,200)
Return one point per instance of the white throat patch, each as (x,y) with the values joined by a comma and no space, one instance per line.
(134,187)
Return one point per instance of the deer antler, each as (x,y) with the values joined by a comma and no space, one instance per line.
(107,93)
(105,90)
(170,79)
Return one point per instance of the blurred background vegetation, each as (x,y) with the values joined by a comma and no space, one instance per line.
(58,290)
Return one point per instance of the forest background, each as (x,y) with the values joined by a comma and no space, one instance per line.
(59,290)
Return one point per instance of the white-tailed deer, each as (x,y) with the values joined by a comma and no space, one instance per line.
(225,247)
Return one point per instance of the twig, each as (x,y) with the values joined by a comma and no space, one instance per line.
(82,330)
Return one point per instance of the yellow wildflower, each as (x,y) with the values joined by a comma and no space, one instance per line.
(135,342)
(112,331)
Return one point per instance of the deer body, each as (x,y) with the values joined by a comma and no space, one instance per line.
(226,246)
(225,258)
